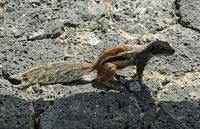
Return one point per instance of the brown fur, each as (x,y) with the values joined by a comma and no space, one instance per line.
(109,61)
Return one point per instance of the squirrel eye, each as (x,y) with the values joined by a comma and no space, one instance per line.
(163,49)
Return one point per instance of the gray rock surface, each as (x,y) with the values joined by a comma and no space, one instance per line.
(89,110)
(179,107)
(16,111)
(189,13)
(35,32)
(16,56)
(143,17)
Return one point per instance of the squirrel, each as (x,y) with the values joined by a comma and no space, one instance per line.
(110,60)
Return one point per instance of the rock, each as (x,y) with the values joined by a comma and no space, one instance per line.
(153,84)
(107,110)
(178,114)
(174,92)
(134,86)
(2,3)
(34,1)
(179,104)
(147,106)
(40,34)
(1,70)
(188,19)
(142,17)
(16,56)
(16,110)
(15,113)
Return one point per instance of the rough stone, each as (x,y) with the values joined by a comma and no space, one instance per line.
(37,17)
(178,115)
(147,106)
(108,110)
(189,13)
(179,108)
(15,113)
(154,85)
(16,56)
(135,86)
(15,109)
(1,70)
(142,17)
(175,92)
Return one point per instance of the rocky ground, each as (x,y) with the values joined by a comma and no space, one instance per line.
(34,32)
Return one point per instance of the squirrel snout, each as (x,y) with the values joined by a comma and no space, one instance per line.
(172,51)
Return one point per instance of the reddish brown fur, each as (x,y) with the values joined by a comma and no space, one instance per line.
(109,61)
(107,71)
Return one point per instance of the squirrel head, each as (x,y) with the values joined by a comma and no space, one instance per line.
(158,48)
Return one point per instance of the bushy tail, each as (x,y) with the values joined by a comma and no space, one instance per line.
(77,72)
(61,72)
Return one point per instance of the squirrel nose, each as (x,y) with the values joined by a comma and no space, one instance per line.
(172,51)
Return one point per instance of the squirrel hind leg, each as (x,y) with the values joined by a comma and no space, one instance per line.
(106,73)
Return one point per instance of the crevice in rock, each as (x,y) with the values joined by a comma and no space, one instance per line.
(36,118)
(36,121)
(141,115)
(180,21)
(69,24)
(156,116)
(177,8)
(165,82)
(40,106)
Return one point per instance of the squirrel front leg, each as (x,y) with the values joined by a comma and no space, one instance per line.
(105,73)
(140,65)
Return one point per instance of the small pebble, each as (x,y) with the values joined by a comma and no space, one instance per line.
(134,86)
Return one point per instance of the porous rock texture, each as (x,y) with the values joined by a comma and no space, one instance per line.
(35,32)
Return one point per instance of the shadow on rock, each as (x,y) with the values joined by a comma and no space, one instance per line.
(99,110)
(113,110)
(178,115)
(114,85)
(107,110)
(15,113)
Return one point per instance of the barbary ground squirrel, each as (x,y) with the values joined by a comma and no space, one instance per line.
(109,61)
